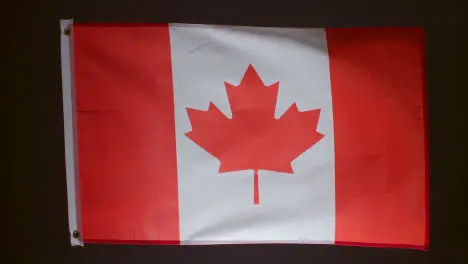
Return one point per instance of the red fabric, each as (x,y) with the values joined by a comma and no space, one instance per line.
(377,78)
(126,133)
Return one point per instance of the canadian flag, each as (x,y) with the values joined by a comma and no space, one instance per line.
(204,134)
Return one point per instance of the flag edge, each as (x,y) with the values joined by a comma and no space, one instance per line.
(70,134)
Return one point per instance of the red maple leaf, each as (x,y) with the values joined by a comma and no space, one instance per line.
(253,138)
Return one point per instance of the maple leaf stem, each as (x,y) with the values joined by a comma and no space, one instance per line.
(256,191)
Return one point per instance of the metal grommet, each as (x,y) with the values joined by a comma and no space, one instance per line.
(67,32)
(76,234)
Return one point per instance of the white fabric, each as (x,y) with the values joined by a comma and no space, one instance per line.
(71,158)
(219,208)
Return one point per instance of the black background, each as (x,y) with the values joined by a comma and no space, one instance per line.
(37,228)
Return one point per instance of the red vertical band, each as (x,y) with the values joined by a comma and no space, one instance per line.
(377,78)
(126,133)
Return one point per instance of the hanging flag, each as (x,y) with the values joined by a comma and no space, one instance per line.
(204,134)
